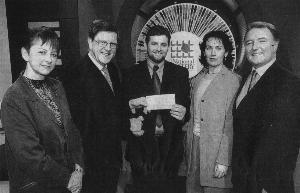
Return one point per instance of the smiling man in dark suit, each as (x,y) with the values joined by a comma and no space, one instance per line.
(96,107)
(266,119)
(155,147)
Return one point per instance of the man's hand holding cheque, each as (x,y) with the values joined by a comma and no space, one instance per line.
(138,103)
(154,102)
(137,123)
(178,112)
(156,141)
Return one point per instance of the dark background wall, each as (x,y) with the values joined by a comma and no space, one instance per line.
(20,12)
(75,16)
(285,14)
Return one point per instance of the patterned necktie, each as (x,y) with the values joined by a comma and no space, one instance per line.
(107,77)
(254,76)
(156,89)
(254,79)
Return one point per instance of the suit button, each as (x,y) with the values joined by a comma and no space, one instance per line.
(202,100)
(201,119)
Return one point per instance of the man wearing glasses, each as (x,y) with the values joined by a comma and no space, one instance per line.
(96,107)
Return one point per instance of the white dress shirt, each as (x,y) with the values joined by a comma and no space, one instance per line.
(260,71)
(103,69)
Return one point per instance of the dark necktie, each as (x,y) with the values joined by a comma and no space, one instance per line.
(156,90)
(254,79)
(254,76)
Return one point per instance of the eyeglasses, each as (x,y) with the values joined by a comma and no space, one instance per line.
(103,44)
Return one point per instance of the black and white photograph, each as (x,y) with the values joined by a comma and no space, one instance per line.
(149,96)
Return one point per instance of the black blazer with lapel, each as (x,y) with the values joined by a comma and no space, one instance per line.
(97,112)
(267,134)
(138,83)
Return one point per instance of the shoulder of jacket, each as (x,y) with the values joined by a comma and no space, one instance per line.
(137,67)
(177,67)
(54,82)
(14,92)
(232,76)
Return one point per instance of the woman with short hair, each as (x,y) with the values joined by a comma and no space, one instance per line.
(43,146)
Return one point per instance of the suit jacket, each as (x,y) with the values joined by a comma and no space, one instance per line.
(97,111)
(145,149)
(215,141)
(267,134)
(40,154)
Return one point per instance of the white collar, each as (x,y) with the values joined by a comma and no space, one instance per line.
(261,70)
(99,66)
(151,65)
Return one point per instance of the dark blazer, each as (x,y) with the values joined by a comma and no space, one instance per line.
(97,111)
(40,154)
(144,149)
(267,134)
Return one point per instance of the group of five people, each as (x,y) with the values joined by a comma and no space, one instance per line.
(234,135)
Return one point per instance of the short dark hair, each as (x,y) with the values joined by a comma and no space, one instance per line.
(99,25)
(226,43)
(158,30)
(46,34)
(261,24)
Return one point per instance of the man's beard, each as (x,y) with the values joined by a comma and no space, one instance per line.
(153,59)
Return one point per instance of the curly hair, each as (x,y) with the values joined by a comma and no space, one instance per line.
(226,43)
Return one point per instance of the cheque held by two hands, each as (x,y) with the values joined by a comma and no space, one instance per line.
(154,102)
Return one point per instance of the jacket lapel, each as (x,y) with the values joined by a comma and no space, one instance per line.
(61,106)
(167,78)
(214,83)
(97,74)
(263,87)
(147,80)
(113,74)
(33,98)
(196,81)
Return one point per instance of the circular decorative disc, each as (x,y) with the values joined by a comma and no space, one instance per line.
(187,23)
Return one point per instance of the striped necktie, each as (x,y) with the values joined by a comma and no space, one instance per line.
(249,84)
(107,77)
(156,90)
(254,79)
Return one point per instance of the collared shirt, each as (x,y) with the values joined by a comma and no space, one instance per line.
(103,69)
(97,64)
(260,71)
(160,70)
